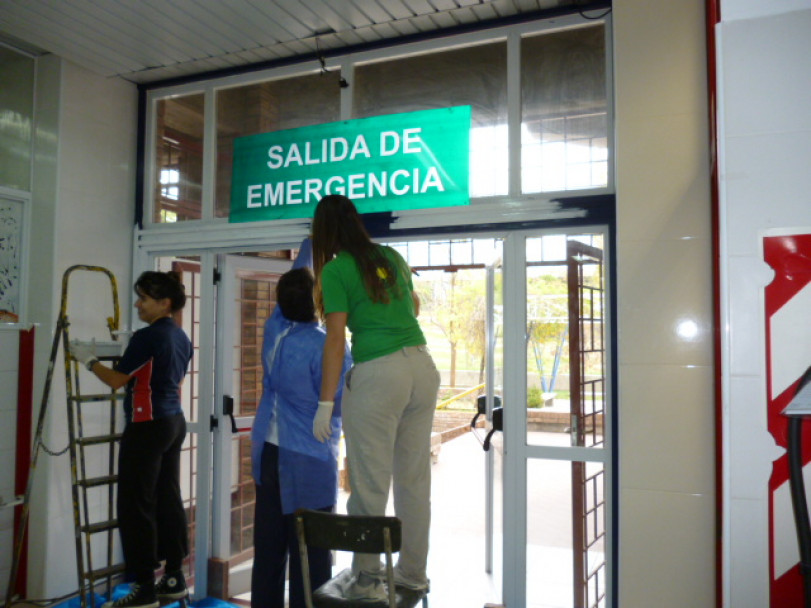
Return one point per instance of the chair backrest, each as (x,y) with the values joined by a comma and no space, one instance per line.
(358,533)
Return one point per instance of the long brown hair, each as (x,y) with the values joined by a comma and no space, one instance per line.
(337,227)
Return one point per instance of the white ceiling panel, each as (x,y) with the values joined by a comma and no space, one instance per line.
(147,41)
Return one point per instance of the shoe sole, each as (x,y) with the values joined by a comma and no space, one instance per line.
(173,596)
(410,587)
(367,599)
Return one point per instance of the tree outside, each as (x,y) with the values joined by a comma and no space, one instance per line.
(453,311)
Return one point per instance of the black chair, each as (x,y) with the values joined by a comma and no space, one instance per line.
(355,533)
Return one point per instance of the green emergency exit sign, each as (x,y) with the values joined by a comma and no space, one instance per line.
(415,160)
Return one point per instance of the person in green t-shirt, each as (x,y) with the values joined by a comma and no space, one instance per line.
(391,390)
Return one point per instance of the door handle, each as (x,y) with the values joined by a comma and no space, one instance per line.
(228,410)
(498,425)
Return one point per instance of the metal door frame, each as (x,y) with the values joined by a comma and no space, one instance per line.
(228,266)
(517,452)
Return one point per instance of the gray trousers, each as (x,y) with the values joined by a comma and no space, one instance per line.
(388,411)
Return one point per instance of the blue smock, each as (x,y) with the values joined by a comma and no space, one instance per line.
(291,358)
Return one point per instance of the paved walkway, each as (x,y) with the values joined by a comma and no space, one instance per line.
(457,554)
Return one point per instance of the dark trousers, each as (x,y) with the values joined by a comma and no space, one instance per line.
(152,521)
(274,539)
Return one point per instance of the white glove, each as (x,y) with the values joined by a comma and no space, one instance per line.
(83,352)
(322,423)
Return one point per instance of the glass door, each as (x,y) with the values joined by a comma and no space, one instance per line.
(494,339)
(557,441)
(196,449)
(459,282)
(246,299)
(515,321)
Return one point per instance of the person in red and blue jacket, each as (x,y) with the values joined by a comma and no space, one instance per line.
(151,516)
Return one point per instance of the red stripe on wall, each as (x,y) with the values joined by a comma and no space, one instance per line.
(712,19)
(25,401)
(790,258)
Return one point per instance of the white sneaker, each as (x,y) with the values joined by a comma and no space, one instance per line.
(374,591)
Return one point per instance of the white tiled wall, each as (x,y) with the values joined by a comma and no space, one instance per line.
(666,371)
(765,138)
(9,348)
(83,213)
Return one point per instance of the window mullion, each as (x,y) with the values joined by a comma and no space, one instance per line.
(209,152)
(514,113)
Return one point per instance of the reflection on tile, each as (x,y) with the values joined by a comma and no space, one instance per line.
(9,349)
(667,550)
(7,475)
(751,447)
(646,35)
(8,398)
(752,48)
(768,188)
(667,430)
(662,285)
(747,277)
(670,197)
(95,99)
(749,559)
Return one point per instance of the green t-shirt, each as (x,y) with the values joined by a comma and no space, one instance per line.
(377,328)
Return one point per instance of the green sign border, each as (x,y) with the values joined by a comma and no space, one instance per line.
(413,160)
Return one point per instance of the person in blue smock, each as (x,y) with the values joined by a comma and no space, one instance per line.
(294,449)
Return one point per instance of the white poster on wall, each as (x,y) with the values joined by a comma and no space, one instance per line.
(11,230)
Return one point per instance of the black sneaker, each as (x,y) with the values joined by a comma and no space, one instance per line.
(140,596)
(172,586)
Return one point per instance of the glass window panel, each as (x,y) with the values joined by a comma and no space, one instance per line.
(401,248)
(417,254)
(486,251)
(452,316)
(440,253)
(565,354)
(598,170)
(189,319)
(461,252)
(178,188)
(599,149)
(16,117)
(564,123)
(565,534)
(475,76)
(274,105)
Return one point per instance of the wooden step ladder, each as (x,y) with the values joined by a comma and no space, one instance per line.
(87,522)
(93,454)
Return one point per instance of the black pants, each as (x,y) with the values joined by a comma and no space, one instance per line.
(152,521)
(274,538)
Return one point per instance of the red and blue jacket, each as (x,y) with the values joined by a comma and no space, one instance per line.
(157,357)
